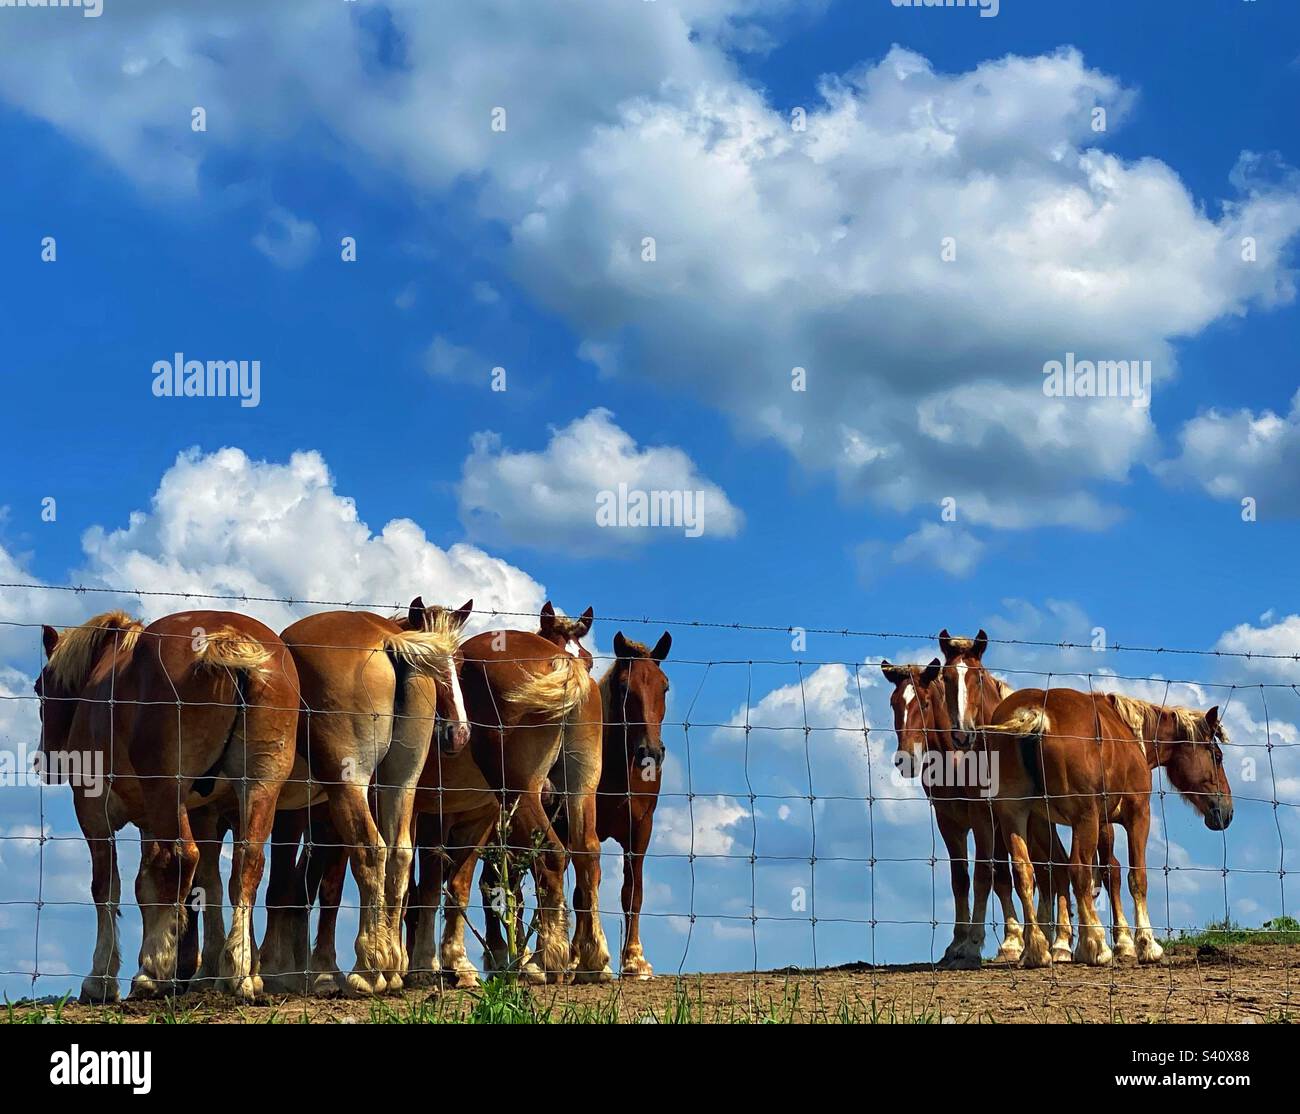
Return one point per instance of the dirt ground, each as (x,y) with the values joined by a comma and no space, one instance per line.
(1247,983)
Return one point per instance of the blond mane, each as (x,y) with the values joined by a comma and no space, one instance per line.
(78,647)
(432,649)
(1143,717)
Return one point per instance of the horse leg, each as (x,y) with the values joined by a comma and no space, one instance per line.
(1091,948)
(1138,828)
(1013,819)
(983,836)
(209,832)
(1013,936)
(288,912)
(580,767)
(257,797)
(326,872)
(168,859)
(367,855)
(423,898)
(396,781)
(464,841)
(548,874)
(1112,877)
(100,986)
(954,839)
(1054,880)
(633,964)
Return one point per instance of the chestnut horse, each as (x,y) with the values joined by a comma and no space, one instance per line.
(972,694)
(196,709)
(531,711)
(950,777)
(372,693)
(1075,754)
(537,719)
(633,695)
(457,812)
(1178,739)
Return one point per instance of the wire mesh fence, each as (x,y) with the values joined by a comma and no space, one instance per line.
(766,818)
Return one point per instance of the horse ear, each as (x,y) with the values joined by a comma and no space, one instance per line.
(547,618)
(51,639)
(1212,719)
(893,674)
(415,614)
(584,624)
(944,644)
(931,673)
(981,643)
(462,614)
(620,646)
(662,647)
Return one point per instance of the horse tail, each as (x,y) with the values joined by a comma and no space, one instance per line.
(555,693)
(228,648)
(418,657)
(244,656)
(1029,725)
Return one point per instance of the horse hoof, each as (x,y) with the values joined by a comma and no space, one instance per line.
(962,963)
(1148,951)
(589,978)
(99,992)
(1007,954)
(1036,953)
(1124,949)
(636,967)
(1061,954)
(245,989)
(328,984)
(145,986)
(423,977)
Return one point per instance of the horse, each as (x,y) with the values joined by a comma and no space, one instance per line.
(925,743)
(1170,737)
(971,693)
(196,709)
(567,634)
(531,712)
(1076,757)
(633,694)
(537,719)
(375,693)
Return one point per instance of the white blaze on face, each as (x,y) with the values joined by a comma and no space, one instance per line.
(458,702)
(573,649)
(963,716)
(909,696)
(909,702)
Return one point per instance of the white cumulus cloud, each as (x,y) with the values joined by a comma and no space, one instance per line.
(550,499)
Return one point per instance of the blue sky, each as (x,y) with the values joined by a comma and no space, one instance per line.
(774,249)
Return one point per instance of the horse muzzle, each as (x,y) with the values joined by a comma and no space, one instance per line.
(452,736)
(648,759)
(1218,816)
